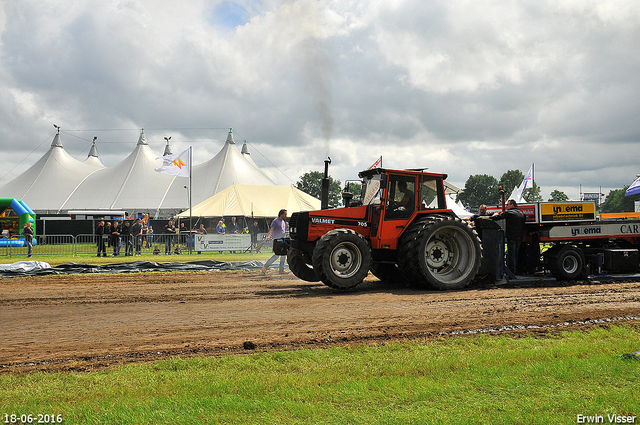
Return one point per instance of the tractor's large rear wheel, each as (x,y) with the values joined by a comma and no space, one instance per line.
(300,265)
(440,252)
(341,258)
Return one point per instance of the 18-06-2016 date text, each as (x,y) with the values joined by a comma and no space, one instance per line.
(39,418)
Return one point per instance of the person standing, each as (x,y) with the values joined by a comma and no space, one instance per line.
(150,236)
(482,212)
(253,231)
(100,235)
(182,234)
(221,228)
(126,236)
(234,228)
(27,231)
(277,231)
(107,234)
(115,237)
(169,230)
(514,231)
(136,235)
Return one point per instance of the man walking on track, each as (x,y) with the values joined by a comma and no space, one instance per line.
(277,231)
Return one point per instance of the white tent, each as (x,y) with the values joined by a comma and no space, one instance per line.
(59,183)
(228,167)
(133,184)
(46,184)
(256,201)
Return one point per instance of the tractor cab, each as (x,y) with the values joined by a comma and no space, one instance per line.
(397,197)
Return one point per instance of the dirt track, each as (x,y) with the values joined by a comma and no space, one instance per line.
(81,322)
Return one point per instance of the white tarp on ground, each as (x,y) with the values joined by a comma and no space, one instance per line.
(256,201)
(24,267)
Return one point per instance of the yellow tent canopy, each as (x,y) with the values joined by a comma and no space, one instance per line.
(254,200)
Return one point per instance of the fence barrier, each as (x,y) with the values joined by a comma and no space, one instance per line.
(84,244)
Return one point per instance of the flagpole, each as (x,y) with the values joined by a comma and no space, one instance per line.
(193,236)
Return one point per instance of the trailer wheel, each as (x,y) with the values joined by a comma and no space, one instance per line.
(341,258)
(388,273)
(566,263)
(300,265)
(441,252)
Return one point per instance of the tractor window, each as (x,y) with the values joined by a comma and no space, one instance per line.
(401,197)
(371,190)
(429,193)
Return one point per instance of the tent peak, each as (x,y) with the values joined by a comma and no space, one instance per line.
(245,149)
(57,143)
(94,150)
(142,140)
(167,148)
(230,137)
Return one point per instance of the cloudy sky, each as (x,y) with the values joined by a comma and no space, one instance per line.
(460,87)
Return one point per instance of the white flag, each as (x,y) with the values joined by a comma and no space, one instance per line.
(176,165)
(527,183)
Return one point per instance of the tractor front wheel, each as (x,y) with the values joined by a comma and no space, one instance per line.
(300,265)
(341,259)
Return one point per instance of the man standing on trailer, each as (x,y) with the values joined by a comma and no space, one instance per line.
(514,230)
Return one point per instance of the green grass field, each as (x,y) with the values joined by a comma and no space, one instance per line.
(57,259)
(472,380)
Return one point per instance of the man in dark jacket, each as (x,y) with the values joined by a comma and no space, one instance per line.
(28,237)
(115,237)
(514,230)
(99,235)
(253,231)
(136,236)
(169,230)
(126,238)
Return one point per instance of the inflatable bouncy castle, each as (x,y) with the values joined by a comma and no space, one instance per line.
(14,214)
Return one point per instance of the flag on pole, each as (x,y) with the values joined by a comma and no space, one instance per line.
(376,164)
(527,183)
(176,164)
(634,189)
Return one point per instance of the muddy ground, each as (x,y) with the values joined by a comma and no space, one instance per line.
(86,322)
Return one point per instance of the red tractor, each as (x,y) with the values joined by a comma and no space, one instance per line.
(401,230)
